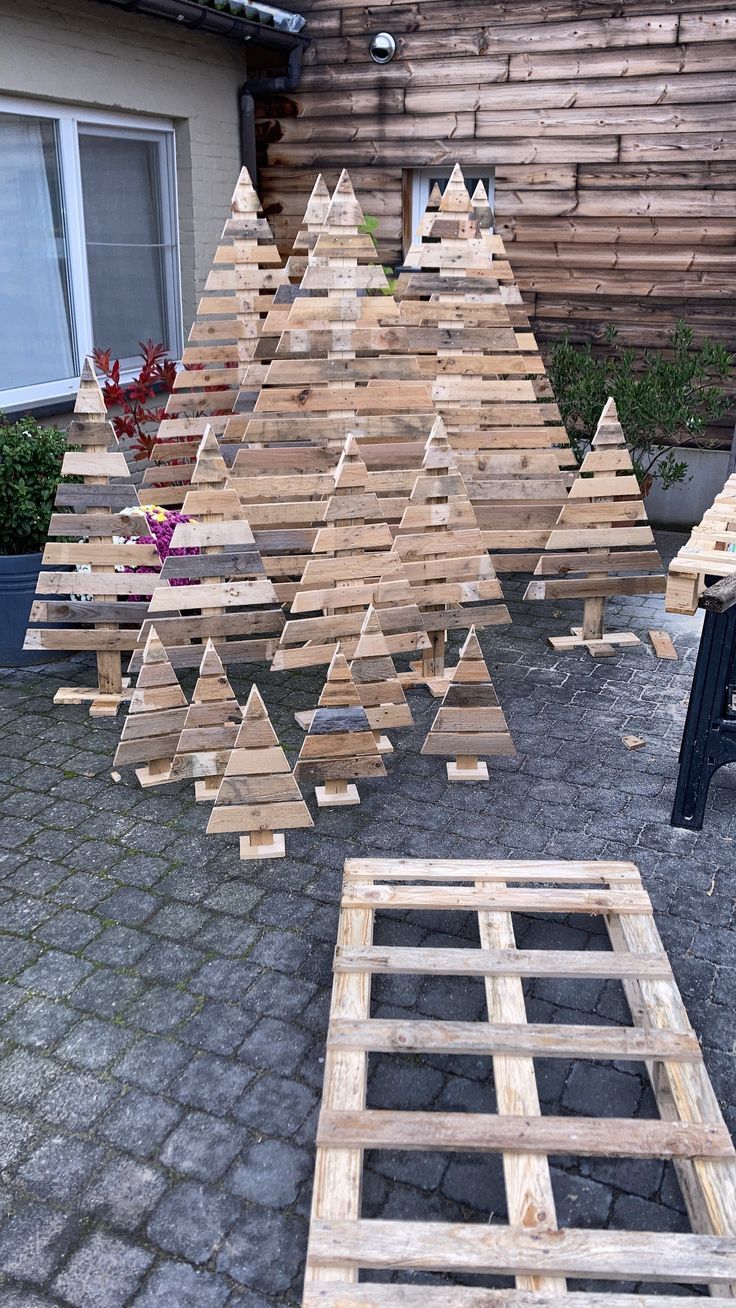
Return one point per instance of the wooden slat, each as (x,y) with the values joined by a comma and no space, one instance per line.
(484,962)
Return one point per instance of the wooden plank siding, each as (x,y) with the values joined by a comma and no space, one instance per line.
(611,128)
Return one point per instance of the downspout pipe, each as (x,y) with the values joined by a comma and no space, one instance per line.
(287,81)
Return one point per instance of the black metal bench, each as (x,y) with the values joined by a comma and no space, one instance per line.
(709,738)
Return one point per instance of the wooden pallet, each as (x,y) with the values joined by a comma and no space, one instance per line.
(530,1249)
(708,553)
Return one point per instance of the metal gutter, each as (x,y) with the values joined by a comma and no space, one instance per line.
(197,16)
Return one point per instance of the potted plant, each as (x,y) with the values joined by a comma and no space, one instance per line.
(30,470)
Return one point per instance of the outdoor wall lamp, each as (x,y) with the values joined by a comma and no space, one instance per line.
(382,47)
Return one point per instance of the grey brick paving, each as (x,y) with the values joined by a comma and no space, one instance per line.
(163,1020)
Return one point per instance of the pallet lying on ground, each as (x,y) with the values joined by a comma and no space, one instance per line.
(708,553)
(345,1246)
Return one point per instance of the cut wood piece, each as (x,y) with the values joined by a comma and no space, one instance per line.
(92,594)
(605,494)
(340,745)
(663,645)
(258,792)
(470,720)
(633,742)
(158,710)
(345,1248)
(210,728)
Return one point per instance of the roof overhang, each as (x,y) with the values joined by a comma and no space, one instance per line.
(240,20)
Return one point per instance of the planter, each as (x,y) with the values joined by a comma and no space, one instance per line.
(18,578)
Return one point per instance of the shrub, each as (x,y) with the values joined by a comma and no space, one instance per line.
(664,399)
(30,471)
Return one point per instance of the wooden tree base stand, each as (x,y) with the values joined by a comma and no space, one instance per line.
(467,769)
(151,776)
(599,646)
(329,797)
(415,679)
(303,719)
(273,846)
(103,704)
(205,791)
(529,1248)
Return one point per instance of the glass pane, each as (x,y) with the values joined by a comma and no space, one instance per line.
(36,339)
(128,260)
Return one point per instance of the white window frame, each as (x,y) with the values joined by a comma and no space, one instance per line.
(70,121)
(420,179)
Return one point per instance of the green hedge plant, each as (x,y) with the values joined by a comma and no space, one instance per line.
(30,471)
(665,399)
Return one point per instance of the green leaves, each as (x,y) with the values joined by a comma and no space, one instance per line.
(369,225)
(664,398)
(30,469)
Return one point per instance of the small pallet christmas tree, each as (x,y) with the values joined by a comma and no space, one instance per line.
(445,558)
(340,746)
(156,716)
(603,536)
(379,689)
(93,611)
(210,728)
(470,720)
(315,217)
(258,793)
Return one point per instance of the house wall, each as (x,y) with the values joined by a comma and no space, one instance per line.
(86,53)
(611,128)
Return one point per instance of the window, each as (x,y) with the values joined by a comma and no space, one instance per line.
(423,179)
(88,244)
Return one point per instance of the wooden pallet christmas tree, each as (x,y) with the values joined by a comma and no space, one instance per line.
(210,729)
(379,689)
(449,570)
(246,270)
(340,746)
(313,222)
(258,794)
(157,713)
(485,377)
(470,721)
(709,552)
(93,610)
(602,544)
(222,591)
(351,567)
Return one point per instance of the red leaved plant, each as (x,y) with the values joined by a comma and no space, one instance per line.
(138,420)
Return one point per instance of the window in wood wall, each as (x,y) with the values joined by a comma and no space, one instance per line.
(417,186)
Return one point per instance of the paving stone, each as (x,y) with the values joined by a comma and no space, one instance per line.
(104,1270)
(55,974)
(140,1122)
(106,993)
(129,906)
(82,890)
(24,1077)
(178,921)
(161,1009)
(192,1221)
(615,1093)
(33,1242)
(124,1193)
(168,961)
(77,1099)
(60,1166)
(265,1250)
(93,1044)
(275,1105)
(118,945)
(16,955)
(211,1083)
(224,979)
(270,1173)
(175,1283)
(202,1147)
(152,1063)
(219,1028)
(15,1135)
(39,1023)
(279,1046)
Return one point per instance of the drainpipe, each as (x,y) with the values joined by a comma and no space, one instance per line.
(287,81)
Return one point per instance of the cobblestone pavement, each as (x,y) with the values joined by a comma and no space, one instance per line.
(164,1016)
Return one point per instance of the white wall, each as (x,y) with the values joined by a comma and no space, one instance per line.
(87,53)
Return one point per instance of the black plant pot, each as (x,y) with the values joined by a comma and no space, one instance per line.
(18,579)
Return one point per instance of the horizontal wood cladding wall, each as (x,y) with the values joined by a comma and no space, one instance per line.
(611,128)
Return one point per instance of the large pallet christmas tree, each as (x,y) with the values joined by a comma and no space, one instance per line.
(602,544)
(95,610)
(470,721)
(258,794)
(219,354)
(340,746)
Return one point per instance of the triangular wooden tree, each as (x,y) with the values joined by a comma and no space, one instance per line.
(324,381)
(470,720)
(340,746)
(315,217)
(210,728)
(219,355)
(258,794)
(157,713)
(380,691)
(485,375)
(602,544)
(94,606)
(221,591)
(446,561)
(352,566)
